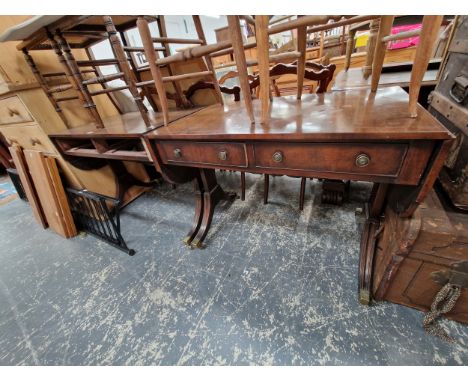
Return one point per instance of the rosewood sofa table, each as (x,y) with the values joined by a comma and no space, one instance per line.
(351,135)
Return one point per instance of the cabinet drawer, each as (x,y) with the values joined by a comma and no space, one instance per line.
(352,158)
(219,153)
(12,110)
(29,137)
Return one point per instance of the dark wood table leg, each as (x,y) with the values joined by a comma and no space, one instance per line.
(197,219)
(368,241)
(302,194)
(266,188)
(212,194)
(242,185)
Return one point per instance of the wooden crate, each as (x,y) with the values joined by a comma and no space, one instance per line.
(409,251)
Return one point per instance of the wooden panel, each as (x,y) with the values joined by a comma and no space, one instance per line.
(49,196)
(20,164)
(204,153)
(61,198)
(331,157)
(12,110)
(417,289)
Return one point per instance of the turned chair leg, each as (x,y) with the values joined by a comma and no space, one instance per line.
(302,193)
(266,188)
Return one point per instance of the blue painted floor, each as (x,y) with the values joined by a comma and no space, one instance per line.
(275,286)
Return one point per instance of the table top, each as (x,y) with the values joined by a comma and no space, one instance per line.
(128,125)
(397,74)
(335,116)
(33,31)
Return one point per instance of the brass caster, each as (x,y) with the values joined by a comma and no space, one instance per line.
(364,297)
(198,245)
(186,240)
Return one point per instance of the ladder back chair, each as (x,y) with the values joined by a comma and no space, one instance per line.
(155,62)
(120,60)
(82,32)
(304,26)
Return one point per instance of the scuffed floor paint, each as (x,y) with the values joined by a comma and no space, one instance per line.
(274,286)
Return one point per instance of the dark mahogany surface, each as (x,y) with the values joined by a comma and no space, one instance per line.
(335,116)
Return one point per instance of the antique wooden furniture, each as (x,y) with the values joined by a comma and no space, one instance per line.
(323,75)
(357,135)
(43,187)
(415,257)
(449,104)
(428,35)
(28,186)
(188,54)
(28,116)
(350,135)
(50,192)
(5,158)
(64,36)
(393,74)
(317,23)
(67,36)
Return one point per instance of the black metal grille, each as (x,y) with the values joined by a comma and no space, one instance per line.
(98,215)
(15,179)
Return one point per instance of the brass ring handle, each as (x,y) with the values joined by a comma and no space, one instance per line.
(177,153)
(362,160)
(13,112)
(223,155)
(278,157)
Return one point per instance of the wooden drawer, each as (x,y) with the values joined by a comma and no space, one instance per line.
(29,137)
(12,110)
(352,158)
(219,153)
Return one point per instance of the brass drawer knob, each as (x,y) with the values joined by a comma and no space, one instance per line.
(362,160)
(177,153)
(278,157)
(222,155)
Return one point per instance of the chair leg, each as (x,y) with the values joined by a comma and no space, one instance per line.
(302,193)
(242,185)
(266,188)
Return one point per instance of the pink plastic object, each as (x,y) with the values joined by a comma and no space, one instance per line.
(405,43)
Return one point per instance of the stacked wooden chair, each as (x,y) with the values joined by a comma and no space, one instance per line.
(427,37)
(380,35)
(203,50)
(77,33)
(263,30)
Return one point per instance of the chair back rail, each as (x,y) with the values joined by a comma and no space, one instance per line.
(427,38)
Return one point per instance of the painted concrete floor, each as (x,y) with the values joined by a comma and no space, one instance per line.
(274,286)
